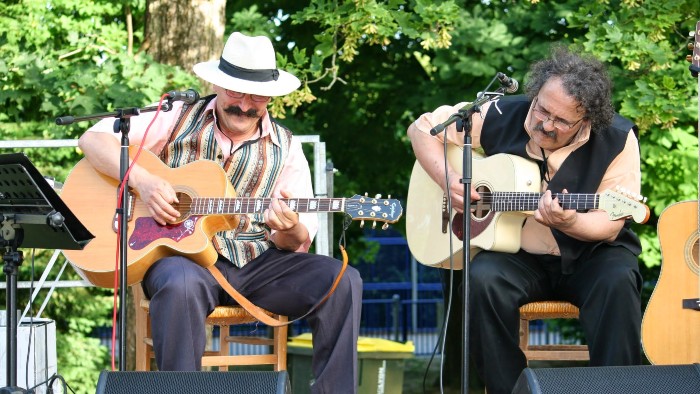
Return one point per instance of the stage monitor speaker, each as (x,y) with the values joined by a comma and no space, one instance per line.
(213,382)
(640,379)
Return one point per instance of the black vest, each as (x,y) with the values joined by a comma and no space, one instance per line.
(581,172)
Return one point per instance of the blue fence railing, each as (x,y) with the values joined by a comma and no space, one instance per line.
(396,319)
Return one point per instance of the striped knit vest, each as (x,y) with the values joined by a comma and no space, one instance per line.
(253,170)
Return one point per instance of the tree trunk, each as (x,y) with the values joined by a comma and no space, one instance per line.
(178,33)
(185,32)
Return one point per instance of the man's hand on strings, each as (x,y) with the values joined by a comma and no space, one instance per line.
(550,212)
(288,233)
(158,195)
(457,194)
(279,216)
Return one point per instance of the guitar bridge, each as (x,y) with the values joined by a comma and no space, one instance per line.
(691,303)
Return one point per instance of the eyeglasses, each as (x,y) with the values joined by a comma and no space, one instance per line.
(239,95)
(558,124)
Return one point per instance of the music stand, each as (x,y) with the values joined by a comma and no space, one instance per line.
(31,215)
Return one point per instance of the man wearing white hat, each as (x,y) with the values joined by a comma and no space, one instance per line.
(265,257)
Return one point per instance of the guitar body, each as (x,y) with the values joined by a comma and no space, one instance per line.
(92,196)
(427,232)
(671,333)
(671,323)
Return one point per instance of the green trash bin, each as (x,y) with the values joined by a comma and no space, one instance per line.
(381,364)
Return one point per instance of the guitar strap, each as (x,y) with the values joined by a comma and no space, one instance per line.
(258,312)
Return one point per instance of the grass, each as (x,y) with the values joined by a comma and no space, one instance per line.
(414,375)
(415,372)
(423,377)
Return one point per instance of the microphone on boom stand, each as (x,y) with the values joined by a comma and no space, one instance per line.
(509,85)
(464,124)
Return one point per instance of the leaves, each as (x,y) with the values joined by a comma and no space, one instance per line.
(368,69)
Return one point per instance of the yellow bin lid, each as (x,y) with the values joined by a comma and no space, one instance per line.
(364,344)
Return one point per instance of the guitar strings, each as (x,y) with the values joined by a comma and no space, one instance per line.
(253,205)
(530,199)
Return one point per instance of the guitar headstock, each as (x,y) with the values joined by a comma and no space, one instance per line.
(621,204)
(375,209)
(694,59)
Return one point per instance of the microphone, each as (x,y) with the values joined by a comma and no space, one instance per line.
(189,96)
(64,120)
(509,84)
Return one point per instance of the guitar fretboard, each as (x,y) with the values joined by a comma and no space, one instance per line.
(527,201)
(247,205)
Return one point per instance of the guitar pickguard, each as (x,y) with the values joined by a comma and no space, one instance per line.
(477,225)
(147,230)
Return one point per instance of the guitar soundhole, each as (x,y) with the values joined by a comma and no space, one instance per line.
(481,207)
(692,248)
(183,206)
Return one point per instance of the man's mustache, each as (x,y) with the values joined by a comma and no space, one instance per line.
(540,127)
(236,110)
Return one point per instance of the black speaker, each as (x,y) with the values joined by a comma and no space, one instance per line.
(640,379)
(214,382)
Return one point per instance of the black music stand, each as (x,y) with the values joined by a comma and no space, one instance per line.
(31,215)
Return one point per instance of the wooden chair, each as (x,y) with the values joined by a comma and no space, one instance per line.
(549,310)
(223,317)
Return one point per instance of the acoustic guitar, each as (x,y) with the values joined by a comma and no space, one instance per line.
(509,187)
(207,205)
(671,323)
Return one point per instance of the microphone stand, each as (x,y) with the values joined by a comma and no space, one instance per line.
(10,240)
(463,120)
(121,125)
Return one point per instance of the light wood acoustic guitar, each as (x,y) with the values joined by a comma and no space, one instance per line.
(671,323)
(509,187)
(207,204)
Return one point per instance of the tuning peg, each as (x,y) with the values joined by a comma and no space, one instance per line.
(385,226)
(362,223)
(374,225)
(377,196)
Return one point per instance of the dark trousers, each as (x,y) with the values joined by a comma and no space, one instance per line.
(183,293)
(606,286)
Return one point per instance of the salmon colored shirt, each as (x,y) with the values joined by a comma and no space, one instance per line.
(295,176)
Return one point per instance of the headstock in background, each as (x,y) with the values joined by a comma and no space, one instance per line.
(694,46)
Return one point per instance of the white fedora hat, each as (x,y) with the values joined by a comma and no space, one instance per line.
(248,65)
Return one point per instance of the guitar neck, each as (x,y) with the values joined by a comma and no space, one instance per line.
(248,205)
(524,201)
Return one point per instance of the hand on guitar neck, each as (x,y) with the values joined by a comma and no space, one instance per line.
(498,215)
(207,204)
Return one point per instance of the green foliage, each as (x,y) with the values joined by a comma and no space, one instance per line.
(81,361)
(67,57)
(644,44)
(368,69)
(81,357)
